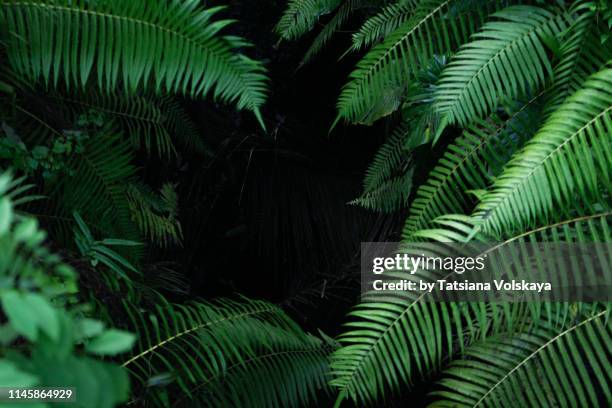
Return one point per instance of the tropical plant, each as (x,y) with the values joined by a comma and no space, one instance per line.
(523,107)
(494,119)
(51,342)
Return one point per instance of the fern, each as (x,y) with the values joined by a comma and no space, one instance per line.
(391,195)
(155,215)
(470,163)
(419,334)
(343,13)
(388,158)
(143,119)
(387,20)
(170,46)
(293,372)
(493,372)
(96,188)
(579,55)
(507,59)
(562,165)
(437,27)
(205,347)
(301,15)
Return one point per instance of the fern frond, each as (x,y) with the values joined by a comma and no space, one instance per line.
(580,54)
(142,118)
(172,46)
(387,20)
(560,167)
(437,27)
(335,23)
(504,370)
(182,127)
(96,186)
(390,195)
(403,338)
(155,215)
(195,345)
(388,158)
(301,15)
(506,59)
(471,163)
(291,373)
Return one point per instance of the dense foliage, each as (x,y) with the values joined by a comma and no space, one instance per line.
(512,100)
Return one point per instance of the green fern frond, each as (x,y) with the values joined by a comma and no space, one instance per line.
(562,166)
(437,27)
(400,339)
(580,54)
(292,372)
(195,345)
(387,20)
(96,188)
(155,215)
(142,118)
(390,195)
(503,371)
(506,59)
(471,163)
(342,15)
(171,46)
(15,189)
(301,15)
(182,127)
(388,158)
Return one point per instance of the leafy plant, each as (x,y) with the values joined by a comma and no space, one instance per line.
(50,342)
(523,107)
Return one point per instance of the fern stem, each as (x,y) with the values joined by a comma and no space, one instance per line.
(563,333)
(191,330)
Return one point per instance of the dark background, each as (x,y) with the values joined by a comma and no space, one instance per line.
(267,216)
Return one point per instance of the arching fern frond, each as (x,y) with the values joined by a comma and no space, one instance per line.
(143,119)
(291,373)
(387,20)
(196,345)
(155,215)
(95,188)
(388,158)
(437,27)
(301,15)
(503,371)
(395,341)
(171,46)
(562,166)
(390,195)
(470,163)
(342,15)
(506,59)
(580,54)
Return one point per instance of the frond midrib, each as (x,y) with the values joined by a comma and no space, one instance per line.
(195,328)
(518,183)
(464,91)
(253,360)
(418,299)
(384,56)
(141,22)
(538,350)
(476,149)
(128,115)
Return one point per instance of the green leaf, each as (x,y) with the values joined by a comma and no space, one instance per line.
(6,213)
(20,315)
(86,328)
(12,376)
(111,342)
(46,315)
